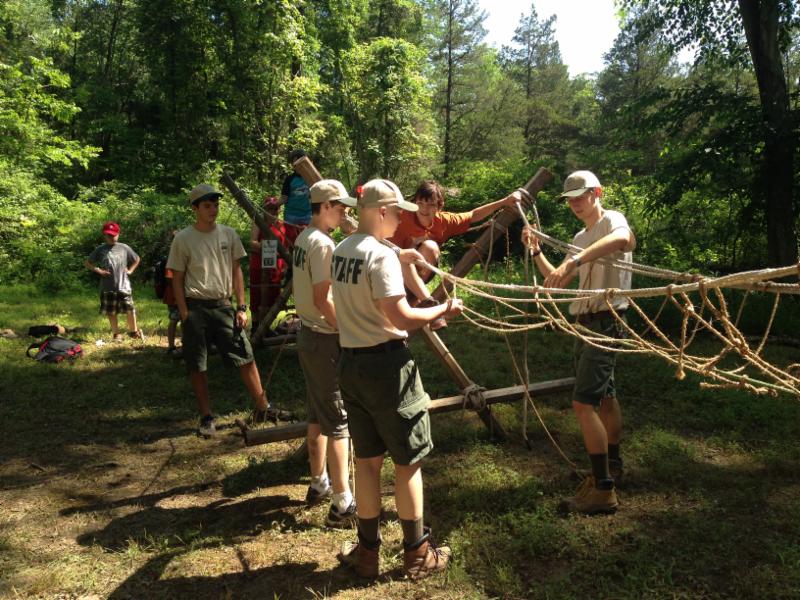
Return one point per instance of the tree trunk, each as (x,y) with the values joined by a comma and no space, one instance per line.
(448,105)
(760,19)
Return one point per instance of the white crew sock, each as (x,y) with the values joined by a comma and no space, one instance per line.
(342,501)
(321,483)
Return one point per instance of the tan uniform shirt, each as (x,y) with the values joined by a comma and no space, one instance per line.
(363,272)
(206,259)
(312,256)
(598,275)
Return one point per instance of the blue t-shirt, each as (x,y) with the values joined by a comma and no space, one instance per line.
(298,204)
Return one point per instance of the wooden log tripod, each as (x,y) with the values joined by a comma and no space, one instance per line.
(472,395)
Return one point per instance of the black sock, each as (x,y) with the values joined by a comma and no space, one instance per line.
(413,530)
(613,452)
(600,467)
(369,532)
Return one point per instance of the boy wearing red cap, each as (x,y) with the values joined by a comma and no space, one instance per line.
(114,262)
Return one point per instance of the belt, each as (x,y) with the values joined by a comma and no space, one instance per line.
(384,347)
(586,318)
(208,303)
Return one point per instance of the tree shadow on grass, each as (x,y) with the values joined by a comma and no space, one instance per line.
(221,522)
(686,527)
(287,580)
(67,416)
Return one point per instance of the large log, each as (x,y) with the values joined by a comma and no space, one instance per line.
(254,437)
(498,228)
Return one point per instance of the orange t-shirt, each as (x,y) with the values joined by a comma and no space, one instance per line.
(445,225)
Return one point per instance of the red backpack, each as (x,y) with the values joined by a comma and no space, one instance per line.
(55,349)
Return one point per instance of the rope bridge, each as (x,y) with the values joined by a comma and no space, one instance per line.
(709,312)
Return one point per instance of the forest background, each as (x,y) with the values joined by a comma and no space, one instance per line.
(114,109)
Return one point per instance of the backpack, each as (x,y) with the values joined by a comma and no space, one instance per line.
(55,349)
(160,277)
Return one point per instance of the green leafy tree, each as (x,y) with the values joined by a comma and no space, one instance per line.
(388,108)
(456,31)
(34,113)
(761,28)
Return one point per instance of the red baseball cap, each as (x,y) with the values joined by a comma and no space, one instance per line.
(111,228)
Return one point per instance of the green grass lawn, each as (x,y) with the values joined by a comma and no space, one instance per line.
(106,491)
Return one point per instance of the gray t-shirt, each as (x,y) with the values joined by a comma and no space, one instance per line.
(115,258)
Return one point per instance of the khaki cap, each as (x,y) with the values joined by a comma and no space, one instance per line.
(203,192)
(330,190)
(382,192)
(578,182)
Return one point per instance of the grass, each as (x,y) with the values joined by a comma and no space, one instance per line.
(105,491)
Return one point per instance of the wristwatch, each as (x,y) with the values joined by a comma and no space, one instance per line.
(241,308)
(576,260)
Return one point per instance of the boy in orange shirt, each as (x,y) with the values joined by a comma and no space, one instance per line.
(428,228)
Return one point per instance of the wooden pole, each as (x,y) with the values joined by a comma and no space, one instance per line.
(461,378)
(244,201)
(278,306)
(499,227)
(266,435)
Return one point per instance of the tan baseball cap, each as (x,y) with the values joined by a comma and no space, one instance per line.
(203,192)
(330,190)
(382,192)
(578,182)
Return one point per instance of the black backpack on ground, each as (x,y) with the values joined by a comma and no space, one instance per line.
(55,349)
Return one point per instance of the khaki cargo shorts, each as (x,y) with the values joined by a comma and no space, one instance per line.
(213,321)
(387,408)
(594,368)
(319,357)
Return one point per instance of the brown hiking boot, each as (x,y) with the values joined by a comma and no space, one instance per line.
(363,560)
(436,324)
(426,559)
(588,500)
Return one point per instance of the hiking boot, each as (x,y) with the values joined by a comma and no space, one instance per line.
(136,335)
(118,337)
(175,353)
(426,559)
(436,324)
(364,561)
(207,428)
(342,520)
(314,496)
(588,500)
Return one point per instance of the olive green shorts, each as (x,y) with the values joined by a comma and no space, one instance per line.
(594,368)
(319,357)
(387,408)
(213,321)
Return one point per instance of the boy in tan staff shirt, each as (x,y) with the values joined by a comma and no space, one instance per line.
(318,350)
(387,408)
(606,234)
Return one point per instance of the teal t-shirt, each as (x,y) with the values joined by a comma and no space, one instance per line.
(298,204)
